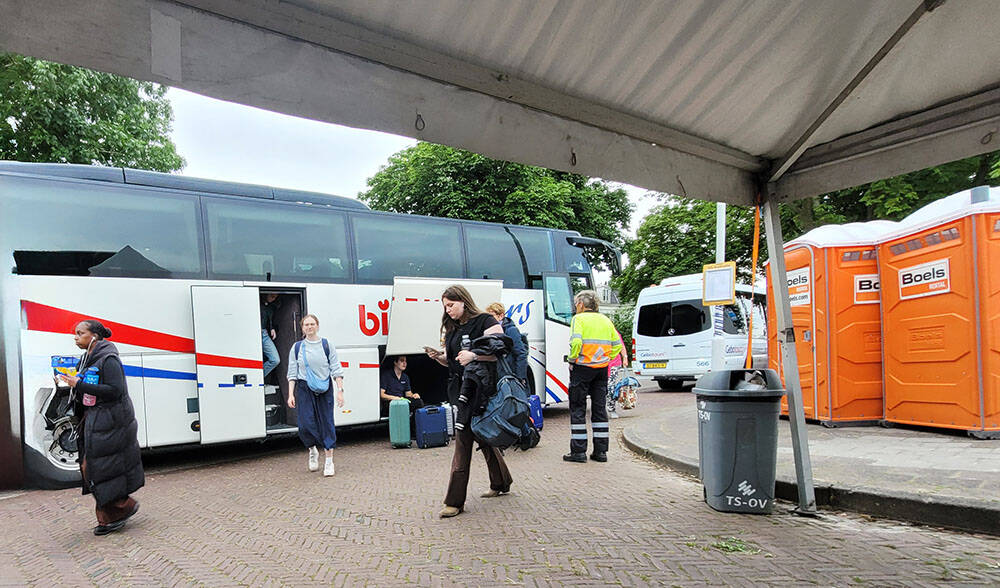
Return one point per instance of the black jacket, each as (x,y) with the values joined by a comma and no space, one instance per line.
(108,439)
(479,381)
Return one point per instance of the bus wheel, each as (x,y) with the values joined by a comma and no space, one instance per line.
(64,448)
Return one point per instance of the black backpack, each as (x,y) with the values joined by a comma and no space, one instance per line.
(506,421)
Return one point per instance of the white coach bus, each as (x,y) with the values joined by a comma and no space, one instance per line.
(176,268)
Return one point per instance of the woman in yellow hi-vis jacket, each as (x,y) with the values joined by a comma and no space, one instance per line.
(593,342)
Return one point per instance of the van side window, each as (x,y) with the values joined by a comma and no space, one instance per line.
(671,319)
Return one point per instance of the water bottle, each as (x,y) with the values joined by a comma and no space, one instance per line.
(466,343)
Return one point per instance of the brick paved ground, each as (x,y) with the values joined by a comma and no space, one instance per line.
(267,521)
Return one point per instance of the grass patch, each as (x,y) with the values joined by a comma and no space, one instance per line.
(736,545)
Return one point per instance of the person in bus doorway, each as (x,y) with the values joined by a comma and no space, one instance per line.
(394,383)
(593,342)
(520,352)
(108,446)
(268,306)
(616,371)
(462,323)
(313,370)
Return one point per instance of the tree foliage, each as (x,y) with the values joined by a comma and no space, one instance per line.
(51,112)
(678,237)
(436,180)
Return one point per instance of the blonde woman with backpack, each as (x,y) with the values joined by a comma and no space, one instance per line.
(313,370)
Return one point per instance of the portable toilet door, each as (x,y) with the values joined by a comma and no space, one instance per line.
(834,291)
(802,283)
(941,314)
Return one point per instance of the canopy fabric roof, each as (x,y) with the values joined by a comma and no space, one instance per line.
(710,99)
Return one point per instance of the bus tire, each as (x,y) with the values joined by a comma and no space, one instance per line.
(40,473)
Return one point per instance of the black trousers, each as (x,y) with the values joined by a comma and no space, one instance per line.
(587,382)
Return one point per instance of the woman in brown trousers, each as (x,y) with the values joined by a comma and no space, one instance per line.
(463,321)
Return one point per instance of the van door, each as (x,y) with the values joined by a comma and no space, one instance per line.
(558,314)
(228,360)
(689,337)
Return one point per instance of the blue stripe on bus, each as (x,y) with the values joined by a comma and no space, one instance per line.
(141,372)
(227,385)
(553,394)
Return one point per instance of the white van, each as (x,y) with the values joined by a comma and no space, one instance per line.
(672,332)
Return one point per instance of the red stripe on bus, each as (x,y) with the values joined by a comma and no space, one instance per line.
(412,300)
(343,364)
(41,317)
(556,380)
(369,365)
(223,361)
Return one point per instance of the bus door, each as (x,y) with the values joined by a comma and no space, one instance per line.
(229,362)
(558,314)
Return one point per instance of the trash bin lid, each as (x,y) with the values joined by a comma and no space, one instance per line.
(734,384)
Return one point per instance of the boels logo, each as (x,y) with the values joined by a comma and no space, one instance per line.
(926,279)
(866,289)
(798,287)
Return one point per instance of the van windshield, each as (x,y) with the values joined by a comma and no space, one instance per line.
(670,319)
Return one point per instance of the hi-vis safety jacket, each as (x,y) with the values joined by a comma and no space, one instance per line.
(593,340)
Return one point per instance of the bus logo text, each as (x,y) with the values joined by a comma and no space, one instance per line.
(369,322)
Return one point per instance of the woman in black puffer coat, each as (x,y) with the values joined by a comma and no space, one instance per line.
(109,449)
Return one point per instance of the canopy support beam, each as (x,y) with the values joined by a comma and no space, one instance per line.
(800,145)
(789,358)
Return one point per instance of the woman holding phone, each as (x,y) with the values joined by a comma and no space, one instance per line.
(462,322)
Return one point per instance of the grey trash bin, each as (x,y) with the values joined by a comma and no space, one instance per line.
(738,438)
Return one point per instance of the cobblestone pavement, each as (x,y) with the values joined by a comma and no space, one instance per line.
(268,521)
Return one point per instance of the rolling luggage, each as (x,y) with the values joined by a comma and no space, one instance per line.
(431,425)
(535,406)
(399,423)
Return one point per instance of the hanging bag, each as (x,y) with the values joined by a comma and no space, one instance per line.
(318,385)
(626,388)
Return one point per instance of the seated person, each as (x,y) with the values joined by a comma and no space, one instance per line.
(396,384)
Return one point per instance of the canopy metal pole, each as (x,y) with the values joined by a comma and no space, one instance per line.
(718,341)
(789,360)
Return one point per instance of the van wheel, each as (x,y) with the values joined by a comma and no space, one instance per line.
(671,384)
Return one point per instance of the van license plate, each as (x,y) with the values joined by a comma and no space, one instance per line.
(652,366)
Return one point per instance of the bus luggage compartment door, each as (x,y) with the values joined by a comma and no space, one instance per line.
(229,361)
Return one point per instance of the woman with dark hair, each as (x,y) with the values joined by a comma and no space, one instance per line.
(109,449)
(312,367)
(462,323)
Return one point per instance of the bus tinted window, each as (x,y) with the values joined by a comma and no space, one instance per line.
(247,239)
(117,230)
(389,246)
(573,259)
(669,319)
(537,248)
(492,254)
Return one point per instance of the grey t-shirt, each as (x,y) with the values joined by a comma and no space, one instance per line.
(322,366)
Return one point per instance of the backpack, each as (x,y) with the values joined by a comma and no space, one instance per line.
(506,421)
(313,384)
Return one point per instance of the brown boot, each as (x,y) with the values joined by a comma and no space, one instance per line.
(449,511)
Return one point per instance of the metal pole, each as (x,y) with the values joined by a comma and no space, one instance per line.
(789,360)
(718,341)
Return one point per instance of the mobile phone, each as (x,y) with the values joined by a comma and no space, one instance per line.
(431,350)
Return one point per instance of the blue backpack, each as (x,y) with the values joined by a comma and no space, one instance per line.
(506,421)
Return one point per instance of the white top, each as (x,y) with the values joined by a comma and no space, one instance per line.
(847,234)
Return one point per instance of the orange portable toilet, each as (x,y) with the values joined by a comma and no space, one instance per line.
(833,290)
(940,277)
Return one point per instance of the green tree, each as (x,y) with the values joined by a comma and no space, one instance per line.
(58,113)
(436,180)
(678,237)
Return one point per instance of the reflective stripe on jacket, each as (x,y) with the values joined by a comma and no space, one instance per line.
(593,340)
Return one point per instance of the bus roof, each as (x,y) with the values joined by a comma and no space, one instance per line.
(175,182)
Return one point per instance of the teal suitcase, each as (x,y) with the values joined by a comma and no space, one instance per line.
(399,423)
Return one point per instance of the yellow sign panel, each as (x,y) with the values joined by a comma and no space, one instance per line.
(719,283)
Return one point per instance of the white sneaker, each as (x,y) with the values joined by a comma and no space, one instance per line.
(613,414)
(313,459)
(328,467)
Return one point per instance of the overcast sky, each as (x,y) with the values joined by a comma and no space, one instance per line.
(237,143)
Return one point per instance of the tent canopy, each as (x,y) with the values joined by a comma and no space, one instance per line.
(717,100)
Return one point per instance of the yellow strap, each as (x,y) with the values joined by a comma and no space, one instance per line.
(753,282)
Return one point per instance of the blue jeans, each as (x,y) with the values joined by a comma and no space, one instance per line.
(271,358)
